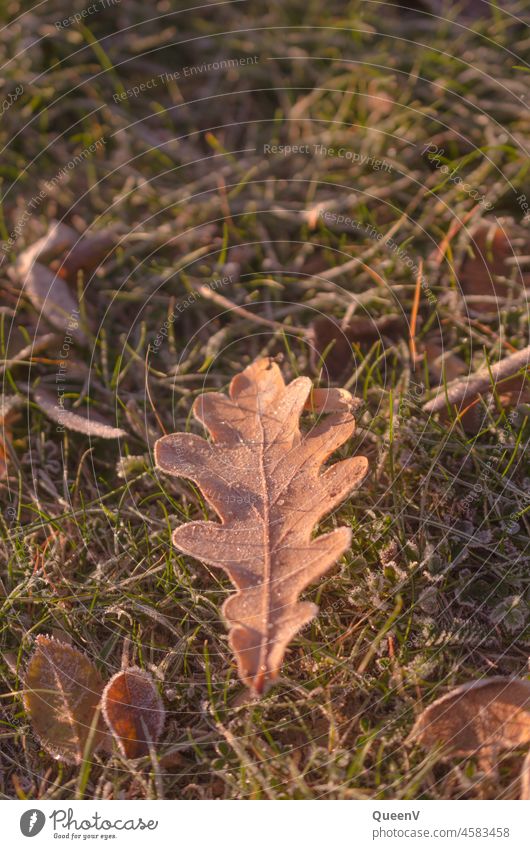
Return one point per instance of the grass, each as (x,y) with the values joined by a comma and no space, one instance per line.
(434,591)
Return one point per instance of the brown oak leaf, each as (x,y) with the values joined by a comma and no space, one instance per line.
(331,343)
(62,690)
(133,710)
(482,718)
(263,477)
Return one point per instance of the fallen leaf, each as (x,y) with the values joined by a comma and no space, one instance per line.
(3,458)
(9,405)
(330,400)
(133,711)
(331,343)
(86,254)
(51,296)
(484,267)
(27,352)
(66,251)
(471,10)
(481,717)
(441,361)
(62,691)
(93,426)
(525,778)
(262,476)
(59,238)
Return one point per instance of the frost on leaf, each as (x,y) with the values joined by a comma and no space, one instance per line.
(133,710)
(482,717)
(52,298)
(264,478)
(62,690)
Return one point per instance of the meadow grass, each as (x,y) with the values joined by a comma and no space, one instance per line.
(434,591)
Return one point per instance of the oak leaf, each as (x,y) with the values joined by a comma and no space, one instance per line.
(482,717)
(263,477)
(62,691)
(133,710)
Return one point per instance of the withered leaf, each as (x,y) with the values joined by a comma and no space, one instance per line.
(483,716)
(86,254)
(62,691)
(441,361)
(73,421)
(27,352)
(9,405)
(331,344)
(51,296)
(484,271)
(66,252)
(133,710)
(330,400)
(263,477)
(469,11)
(58,238)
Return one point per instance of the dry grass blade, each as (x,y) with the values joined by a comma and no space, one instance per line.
(483,716)
(133,710)
(262,476)
(62,694)
(73,421)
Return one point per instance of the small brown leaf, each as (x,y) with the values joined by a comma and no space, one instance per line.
(133,710)
(263,477)
(441,361)
(28,352)
(483,716)
(62,694)
(86,255)
(471,10)
(3,458)
(484,270)
(73,421)
(9,405)
(59,238)
(50,295)
(331,344)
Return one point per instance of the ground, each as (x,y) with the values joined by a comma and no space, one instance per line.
(252,149)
